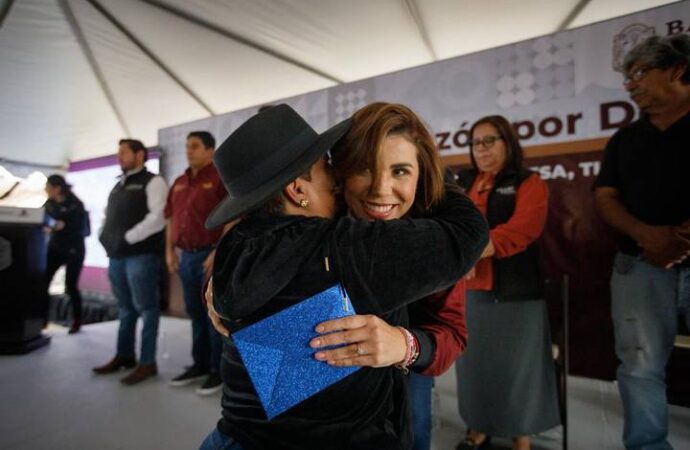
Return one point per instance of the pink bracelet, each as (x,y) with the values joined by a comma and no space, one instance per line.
(411,350)
(415,351)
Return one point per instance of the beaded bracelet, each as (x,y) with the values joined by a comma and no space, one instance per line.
(415,350)
(411,350)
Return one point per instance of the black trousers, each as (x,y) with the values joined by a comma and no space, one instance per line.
(73,260)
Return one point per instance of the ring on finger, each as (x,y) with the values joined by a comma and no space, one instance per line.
(359,349)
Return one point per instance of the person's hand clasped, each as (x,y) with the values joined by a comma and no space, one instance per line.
(212,314)
(371,342)
(665,246)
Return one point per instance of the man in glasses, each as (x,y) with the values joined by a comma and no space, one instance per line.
(641,192)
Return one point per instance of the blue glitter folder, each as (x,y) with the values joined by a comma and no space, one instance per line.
(277,355)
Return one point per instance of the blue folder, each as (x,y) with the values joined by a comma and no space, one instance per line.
(277,355)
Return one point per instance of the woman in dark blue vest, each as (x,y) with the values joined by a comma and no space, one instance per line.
(66,245)
(506,378)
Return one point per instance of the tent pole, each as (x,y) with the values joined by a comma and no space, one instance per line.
(5,11)
(150,54)
(237,38)
(572,15)
(84,45)
(412,9)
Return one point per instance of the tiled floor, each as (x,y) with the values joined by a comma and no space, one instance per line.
(50,400)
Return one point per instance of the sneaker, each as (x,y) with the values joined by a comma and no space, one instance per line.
(190,375)
(141,373)
(212,385)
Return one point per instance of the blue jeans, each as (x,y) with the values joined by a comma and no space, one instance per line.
(219,441)
(419,392)
(134,281)
(206,341)
(645,303)
(684,295)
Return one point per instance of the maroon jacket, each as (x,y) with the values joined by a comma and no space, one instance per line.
(441,317)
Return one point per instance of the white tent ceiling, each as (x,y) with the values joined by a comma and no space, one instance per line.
(77,75)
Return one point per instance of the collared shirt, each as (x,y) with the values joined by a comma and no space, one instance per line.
(190,201)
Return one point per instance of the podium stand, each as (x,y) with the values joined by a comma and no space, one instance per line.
(22,289)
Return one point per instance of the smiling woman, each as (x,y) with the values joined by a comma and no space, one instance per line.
(390,169)
(388,163)
(389,192)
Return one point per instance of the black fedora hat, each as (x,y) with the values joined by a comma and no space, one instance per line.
(264,155)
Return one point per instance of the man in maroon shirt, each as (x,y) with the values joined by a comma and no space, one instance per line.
(190,249)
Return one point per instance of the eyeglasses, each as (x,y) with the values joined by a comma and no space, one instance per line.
(637,74)
(487,141)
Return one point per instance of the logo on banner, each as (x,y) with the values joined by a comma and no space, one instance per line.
(628,38)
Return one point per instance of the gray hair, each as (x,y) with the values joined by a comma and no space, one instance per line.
(662,53)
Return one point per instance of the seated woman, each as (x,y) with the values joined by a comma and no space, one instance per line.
(512,393)
(289,249)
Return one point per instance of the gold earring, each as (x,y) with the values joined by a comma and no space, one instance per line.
(304,203)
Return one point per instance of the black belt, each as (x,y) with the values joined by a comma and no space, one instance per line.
(198,249)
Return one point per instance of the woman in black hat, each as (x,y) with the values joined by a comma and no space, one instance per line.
(66,245)
(287,248)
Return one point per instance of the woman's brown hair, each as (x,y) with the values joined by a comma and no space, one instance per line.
(360,147)
(509,136)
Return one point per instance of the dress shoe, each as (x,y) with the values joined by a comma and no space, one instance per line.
(76,325)
(115,364)
(139,374)
(469,444)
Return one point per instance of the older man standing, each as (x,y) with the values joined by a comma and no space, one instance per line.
(642,192)
(133,238)
(192,197)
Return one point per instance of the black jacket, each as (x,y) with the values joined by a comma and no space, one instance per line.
(517,277)
(71,211)
(269,263)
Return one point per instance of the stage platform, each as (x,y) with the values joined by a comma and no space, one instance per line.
(49,399)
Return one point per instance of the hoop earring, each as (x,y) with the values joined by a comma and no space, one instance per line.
(303,203)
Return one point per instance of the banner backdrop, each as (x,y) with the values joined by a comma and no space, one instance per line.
(564,94)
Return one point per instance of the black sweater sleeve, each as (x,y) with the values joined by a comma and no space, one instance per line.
(386,264)
(427,348)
